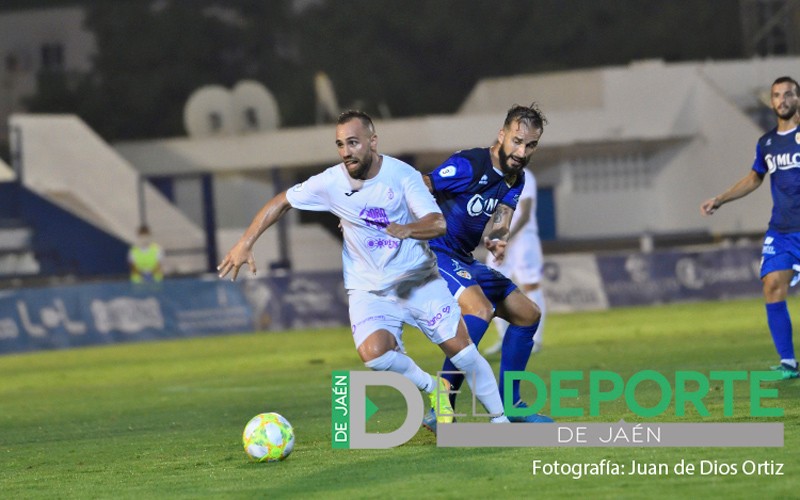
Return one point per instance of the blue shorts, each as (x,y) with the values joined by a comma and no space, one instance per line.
(781,252)
(461,275)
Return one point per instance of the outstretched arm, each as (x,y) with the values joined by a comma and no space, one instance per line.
(242,251)
(743,187)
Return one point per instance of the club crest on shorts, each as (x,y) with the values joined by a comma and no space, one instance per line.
(464,274)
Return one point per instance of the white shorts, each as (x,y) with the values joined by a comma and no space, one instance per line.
(429,307)
(523,261)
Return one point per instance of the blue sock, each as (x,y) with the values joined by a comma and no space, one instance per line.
(517,346)
(476,327)
(780,326)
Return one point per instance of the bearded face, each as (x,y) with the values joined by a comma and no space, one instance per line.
(356,146)
(516,144)
(784,100)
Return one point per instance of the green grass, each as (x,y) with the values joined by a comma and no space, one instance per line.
(164,419)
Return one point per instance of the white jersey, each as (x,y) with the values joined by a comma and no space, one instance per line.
(373,260)
(531,227)
(523,258)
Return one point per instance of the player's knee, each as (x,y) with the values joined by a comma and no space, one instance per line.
(528,316)
(774,289)
(474,303)
(382,362)
(371,351)
(485,311)
(537,313)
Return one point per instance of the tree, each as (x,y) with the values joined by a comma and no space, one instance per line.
(152,56)
(412,57)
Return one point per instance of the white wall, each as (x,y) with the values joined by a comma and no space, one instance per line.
(688,123)
(6,172)
(67,163)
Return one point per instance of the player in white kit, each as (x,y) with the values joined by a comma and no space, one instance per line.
(523,260)
(387,215)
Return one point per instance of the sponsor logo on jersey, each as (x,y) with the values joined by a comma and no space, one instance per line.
(448,171)
(783,161)
(374,217)
(379,243)
(484,179)
(478,205)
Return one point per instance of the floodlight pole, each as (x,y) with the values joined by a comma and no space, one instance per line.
(140,196)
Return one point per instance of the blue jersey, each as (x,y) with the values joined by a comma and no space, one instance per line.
(779,155)
(468,189)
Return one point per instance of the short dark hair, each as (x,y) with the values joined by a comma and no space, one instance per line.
(530,115)
(353,114)
(787,79)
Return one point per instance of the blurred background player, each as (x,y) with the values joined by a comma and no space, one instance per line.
(523,260)
(145,258)
(390,273)
(777,153)
(472,187)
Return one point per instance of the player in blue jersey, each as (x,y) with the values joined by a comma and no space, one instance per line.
(475,188)
(777,154)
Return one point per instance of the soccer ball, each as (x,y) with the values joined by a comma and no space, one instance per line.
(268,437)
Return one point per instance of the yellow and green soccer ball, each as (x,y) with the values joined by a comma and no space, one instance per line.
(268,437)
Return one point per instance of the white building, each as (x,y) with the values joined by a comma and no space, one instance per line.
(628,150)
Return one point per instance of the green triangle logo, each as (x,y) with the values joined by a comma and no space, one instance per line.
(370,407)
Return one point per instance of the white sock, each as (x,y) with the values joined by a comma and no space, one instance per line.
(538,297)
(502,419)
(790,362)
(398,362)
(480,378)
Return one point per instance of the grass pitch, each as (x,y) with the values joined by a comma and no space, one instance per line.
(164,419)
